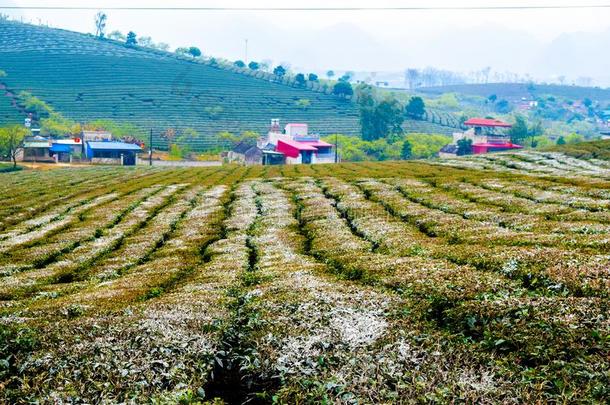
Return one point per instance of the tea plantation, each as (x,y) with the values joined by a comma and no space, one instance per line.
(87,79)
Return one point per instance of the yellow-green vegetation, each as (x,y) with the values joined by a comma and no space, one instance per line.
(372,282)
(423,146)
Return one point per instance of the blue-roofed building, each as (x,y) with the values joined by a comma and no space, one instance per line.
(112,152)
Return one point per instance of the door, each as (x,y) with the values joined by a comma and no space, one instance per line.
(306,156)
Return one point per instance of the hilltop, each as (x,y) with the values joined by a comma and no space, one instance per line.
(516,91)
(85,79)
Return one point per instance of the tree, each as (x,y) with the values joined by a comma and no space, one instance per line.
(312,77)
(194,52)
(131,39)
(100,24)
(11,141)
(587,102)
(279,71)
(416,108)
(503,107)
(464,147)
(347,76)
(492,98)
(181,51)
(412,77)
(378,119)
(117,36)
(300,79)
(561,141)
(519,131)
(253,65)
(343,89)
(406,151)
(240,64)
(330,74)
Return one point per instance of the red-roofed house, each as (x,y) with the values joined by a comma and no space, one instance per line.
(486,134)
(296,144)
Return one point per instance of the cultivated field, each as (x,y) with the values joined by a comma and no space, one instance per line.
(355,283)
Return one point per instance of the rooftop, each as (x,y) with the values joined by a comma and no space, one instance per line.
(114,146)
(298,145)
(486,122)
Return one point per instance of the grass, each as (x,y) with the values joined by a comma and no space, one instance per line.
(436,282)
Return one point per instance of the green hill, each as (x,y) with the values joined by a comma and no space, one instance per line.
(87,79)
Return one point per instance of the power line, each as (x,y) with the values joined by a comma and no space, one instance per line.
(394,8)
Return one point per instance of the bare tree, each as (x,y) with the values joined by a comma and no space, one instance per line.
(411,77)
(100,24)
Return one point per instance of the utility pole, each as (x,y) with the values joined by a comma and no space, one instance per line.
(150,149)
(336,149)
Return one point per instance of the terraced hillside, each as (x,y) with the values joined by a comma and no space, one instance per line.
(354,283)
(88,79)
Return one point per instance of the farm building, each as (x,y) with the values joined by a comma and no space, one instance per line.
(296,144)
(36,149)
(112,152)
(63,150)
(245,153)
(486,134)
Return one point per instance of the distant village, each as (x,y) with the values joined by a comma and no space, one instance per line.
(292,144)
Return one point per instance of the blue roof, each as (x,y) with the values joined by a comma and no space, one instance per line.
(58,147)
(114,146)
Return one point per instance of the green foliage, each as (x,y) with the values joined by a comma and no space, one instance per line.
(343,89)
(519,131)
(254,65)
(131,39)
(464,147)
(117,36)
(194,52)
(118,129)
(11,139)
(300,79)
(561,141)
(15,342)
(415,108)
(279,71)
(423,146)
(378,119)
(312,77)
(449,101)
(239,64)
(406,150)
(231,140)
(330,74)
(33,104)
(303,103)
(503,107)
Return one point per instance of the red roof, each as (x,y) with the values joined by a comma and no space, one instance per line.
(486,122)
(498,145)
(293,148)
(317,144)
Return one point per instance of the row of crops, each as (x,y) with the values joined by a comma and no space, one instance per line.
(357,283)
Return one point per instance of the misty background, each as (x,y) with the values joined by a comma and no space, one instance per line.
(545,45)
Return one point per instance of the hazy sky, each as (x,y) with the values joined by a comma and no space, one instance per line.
(355,40)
